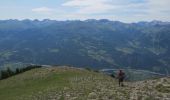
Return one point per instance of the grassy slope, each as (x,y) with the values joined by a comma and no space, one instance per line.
(42,81)
(70,84)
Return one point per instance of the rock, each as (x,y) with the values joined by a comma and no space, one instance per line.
(92,95)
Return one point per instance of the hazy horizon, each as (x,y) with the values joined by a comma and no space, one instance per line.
(115,10)
(85,20)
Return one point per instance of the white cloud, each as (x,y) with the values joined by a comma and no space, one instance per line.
(159,5)
(43,10)
(90,6)
(111,7)
(84,2)
(123,10)
(156,10)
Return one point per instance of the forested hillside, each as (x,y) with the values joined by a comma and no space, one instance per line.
(90,43)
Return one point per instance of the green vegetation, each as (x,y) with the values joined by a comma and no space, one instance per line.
(134,44)
(125,50)
(8,72)
(157,51)
(65,83)
(162,88)
(30,83)
(6,54)
(97,43)
(100,55)
(43,84)
(54,50)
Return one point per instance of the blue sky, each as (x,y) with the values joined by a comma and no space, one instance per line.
(122,10)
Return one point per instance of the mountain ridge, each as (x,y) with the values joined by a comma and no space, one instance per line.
(153,22)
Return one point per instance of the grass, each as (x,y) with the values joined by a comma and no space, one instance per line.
(41,80)
(63,83)
(32,82)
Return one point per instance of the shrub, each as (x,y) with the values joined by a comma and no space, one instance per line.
(8,72)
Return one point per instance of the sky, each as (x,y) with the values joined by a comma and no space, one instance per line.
(116,10)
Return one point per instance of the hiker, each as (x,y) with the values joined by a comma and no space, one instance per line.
(121,76)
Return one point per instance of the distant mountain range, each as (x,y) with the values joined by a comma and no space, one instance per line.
(90,43)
